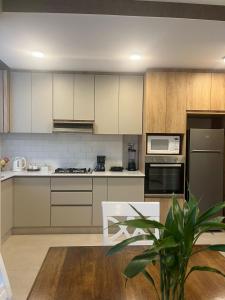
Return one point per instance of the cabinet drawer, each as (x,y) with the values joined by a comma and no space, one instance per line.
(71,184)
(71,198)
(71,216)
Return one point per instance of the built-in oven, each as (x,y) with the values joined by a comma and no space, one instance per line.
(164,176)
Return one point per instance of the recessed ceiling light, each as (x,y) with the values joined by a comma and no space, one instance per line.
(37,54)
(135,56)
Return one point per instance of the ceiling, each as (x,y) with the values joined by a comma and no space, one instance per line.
(212,2)
(104,43)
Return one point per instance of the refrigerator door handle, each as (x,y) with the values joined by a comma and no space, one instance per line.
(206,151)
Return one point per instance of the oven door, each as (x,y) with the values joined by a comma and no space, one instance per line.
(164,178)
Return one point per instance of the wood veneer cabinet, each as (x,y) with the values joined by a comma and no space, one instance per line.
(165,102)
(31,202)
(199,91)
(155,102)
(6,207)
(218,92)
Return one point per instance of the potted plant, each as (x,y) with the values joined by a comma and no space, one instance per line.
(172,251)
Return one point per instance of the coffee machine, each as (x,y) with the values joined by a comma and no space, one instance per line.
(100,163)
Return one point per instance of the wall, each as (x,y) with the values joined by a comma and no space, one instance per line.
(64,150)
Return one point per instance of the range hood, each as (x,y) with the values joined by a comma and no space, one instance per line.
(71,126)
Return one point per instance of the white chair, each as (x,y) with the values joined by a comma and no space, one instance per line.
(112,210)
(5,289)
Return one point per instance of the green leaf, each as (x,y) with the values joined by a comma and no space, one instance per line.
(151,280)
(165,243)
(138,264)
(219,247)
(120,246)
(211,212)
(204,269)
(210,226)
(142,223)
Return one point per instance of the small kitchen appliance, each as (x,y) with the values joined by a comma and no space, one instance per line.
(100,163)
(131,158)
(163,144)
(19,164)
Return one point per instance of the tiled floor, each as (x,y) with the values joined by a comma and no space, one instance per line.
(23,254)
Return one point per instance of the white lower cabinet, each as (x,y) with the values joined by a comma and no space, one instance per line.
(32,202)
(126,189)
(99,195)
(6,206)
(66,216)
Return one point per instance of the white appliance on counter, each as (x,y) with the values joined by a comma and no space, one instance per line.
(163,144)
(19,164)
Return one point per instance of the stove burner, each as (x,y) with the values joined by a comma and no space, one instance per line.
(71,170)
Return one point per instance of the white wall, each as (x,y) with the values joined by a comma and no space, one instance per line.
(64,150)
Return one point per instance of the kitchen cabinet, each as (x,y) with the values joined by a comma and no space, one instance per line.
(31,202)
(1,103)
(176,96)
(165,102)
(41,102)
(20,102)
(6,207)
(125,189)
(155,102)
(84,97)
(99,195)
(130,104)
(199,91)
(218,92)
(106,104)
(63,90)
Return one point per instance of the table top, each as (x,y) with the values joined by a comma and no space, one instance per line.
(86,273)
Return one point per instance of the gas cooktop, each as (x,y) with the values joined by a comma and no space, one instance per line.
(72,170)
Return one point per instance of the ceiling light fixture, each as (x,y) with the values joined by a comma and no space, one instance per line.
(135,56)
(37,54)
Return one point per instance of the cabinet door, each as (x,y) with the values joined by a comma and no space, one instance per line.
(130,104)
(126,189)
(20,108)
(176,94)
(6,206)
(41,102)
(106,104)
(155,102)
(198,91)
(218,92)
(63,85)
(1,103)
(84,97)
(99,195)
(31,202)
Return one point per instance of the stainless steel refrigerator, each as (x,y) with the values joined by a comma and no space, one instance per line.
(205,165)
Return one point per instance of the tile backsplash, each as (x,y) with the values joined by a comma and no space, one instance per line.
(63,150)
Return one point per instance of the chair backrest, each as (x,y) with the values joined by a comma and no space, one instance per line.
(112,210)
(5,289)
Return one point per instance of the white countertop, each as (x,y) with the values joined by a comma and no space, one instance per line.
(10,174)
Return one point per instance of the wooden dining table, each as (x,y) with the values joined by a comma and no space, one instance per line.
(87,273)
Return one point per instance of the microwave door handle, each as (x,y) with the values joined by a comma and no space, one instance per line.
(165,165)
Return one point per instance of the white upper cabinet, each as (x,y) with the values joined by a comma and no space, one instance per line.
(41,102)
(106,104)
(63,96)
(130,104)
(1,103)
(20,97)
(84,100)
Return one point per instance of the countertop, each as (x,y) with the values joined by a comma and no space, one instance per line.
(10,174)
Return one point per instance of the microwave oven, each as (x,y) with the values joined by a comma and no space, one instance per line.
(163,144)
